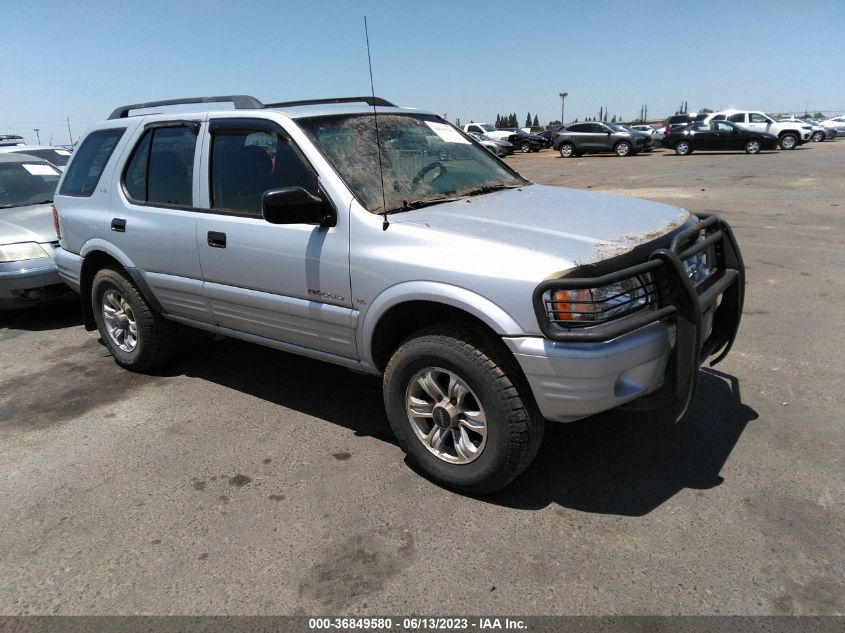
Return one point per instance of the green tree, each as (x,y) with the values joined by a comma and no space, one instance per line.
(613,120)
(528,120)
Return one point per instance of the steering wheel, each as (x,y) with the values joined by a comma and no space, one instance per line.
(422,173)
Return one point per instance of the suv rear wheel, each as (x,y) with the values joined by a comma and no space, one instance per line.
(788,141)
(567,150)
(138,337)
(623,148)
(460,410)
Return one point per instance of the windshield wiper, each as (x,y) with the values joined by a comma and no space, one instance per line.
(489,188)
(410,205)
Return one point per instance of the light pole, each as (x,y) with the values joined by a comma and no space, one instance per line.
(563,96)
(37,135)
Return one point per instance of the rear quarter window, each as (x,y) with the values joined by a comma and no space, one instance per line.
(89,161)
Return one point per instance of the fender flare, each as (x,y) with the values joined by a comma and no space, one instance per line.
(436,292)
(103,246)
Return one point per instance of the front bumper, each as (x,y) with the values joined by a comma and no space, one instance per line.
(574,380)
(651,355)
(24,287)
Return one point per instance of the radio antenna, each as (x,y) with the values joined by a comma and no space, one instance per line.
(386,222)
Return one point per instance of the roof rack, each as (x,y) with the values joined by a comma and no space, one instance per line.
(241,102)
(370,101)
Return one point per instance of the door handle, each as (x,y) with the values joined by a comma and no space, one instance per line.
(216,239)
(118,225)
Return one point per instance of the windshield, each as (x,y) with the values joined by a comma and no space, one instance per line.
(58,157)
(424,159)
(27,183)
(488,128)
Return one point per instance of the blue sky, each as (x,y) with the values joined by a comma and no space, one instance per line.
(464,59)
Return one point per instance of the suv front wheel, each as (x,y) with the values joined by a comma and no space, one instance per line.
(459,409)
(138,337)
(788,141)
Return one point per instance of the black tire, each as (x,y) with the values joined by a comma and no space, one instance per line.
(514,427)
(623,148)
(567,150)
(525,147)
(683,148)
(156,341)
(788,141)
(818,136)
(753,146)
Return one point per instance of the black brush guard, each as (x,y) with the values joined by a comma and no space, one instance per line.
(673,299)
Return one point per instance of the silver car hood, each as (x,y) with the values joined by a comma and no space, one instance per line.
(31,223)
(571,226)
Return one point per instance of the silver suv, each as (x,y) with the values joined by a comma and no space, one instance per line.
(385,240)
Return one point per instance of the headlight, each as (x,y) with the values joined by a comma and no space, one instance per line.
(584,306)
(697,267)
(22,252)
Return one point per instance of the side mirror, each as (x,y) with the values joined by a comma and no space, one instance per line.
(294,205)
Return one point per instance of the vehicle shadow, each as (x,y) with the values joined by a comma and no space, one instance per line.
(629,463)
(316,388)
(707,152)
(620,462)
(605,155)
(53,316)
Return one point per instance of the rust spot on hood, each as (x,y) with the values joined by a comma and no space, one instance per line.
(624,243)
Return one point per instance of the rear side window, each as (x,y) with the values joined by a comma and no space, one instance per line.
(161,170)
(90,160)
(738,118)
(581,127)
(719,117)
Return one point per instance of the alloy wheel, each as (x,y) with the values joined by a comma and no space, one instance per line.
(120,320)
(446,415)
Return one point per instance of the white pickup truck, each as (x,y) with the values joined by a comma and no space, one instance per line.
(790,135)
(492,132)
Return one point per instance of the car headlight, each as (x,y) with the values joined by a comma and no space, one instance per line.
(22,252)
(584,306)
(697,267)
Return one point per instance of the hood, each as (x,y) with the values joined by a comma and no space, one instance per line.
(563,227)
(31,223)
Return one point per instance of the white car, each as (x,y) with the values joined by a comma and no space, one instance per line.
(820,132)
(57,156)
(790,135)
(837,122)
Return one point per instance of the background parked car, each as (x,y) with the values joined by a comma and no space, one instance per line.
(718,136)
(820,132)
(492,131)
(526,142)
(27,232)
(576,139)
(11,140)
(837,122)
(680,120)
(57,156)
(548,136)
(499,148)
(790,135)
